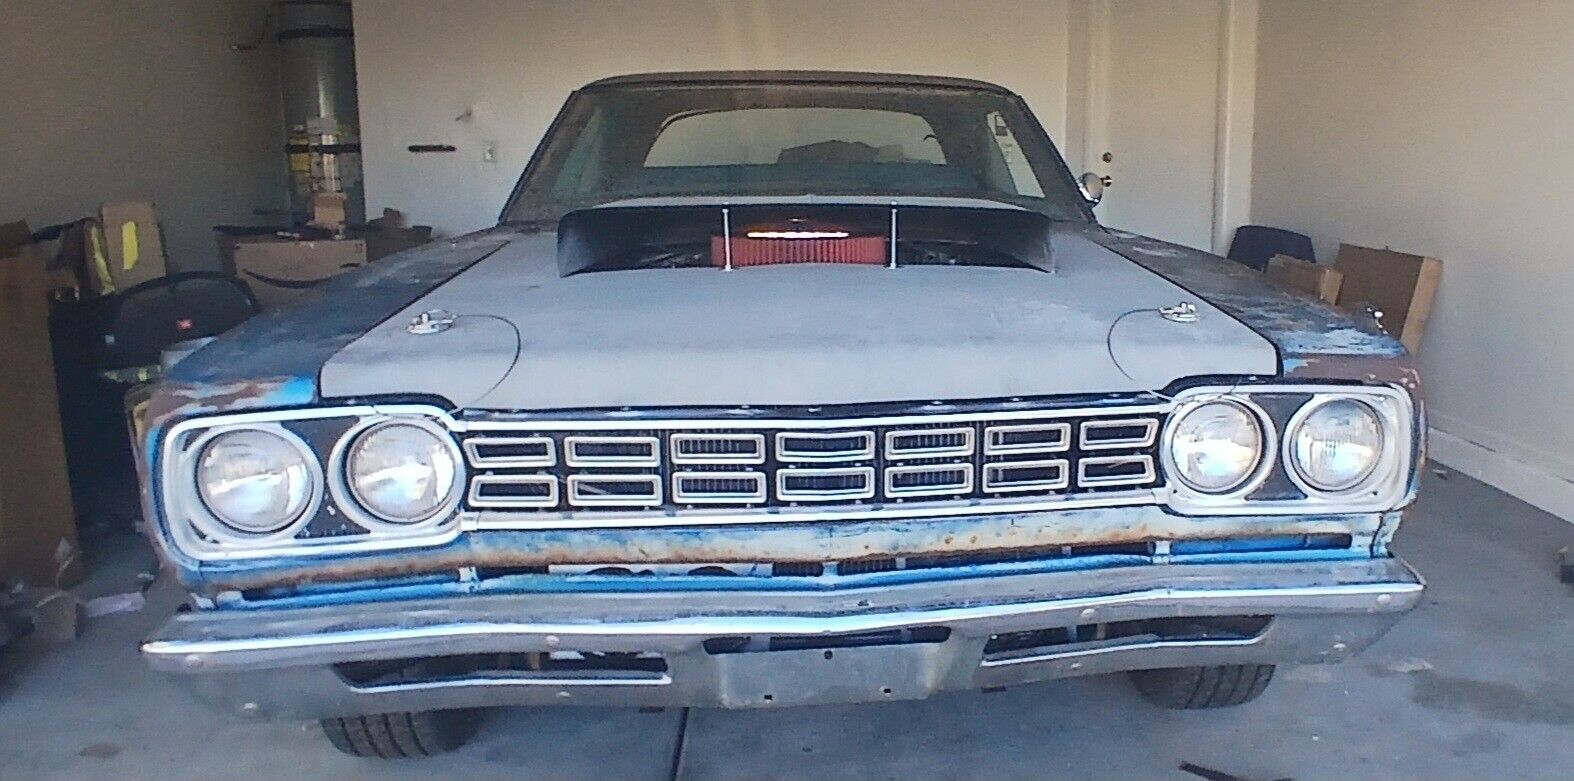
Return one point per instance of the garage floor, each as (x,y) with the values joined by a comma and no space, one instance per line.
(1477,683)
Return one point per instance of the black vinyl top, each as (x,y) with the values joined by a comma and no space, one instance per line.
(792,77)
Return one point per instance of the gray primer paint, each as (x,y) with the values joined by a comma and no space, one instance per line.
(795,335)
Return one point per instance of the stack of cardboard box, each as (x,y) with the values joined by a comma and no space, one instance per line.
(1398,285)
(38,540)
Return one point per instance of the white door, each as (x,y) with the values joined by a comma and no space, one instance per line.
(1153,115)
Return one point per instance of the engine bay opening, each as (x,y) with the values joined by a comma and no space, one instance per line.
(740,237)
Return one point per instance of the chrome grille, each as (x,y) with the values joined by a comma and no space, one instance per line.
(589,468)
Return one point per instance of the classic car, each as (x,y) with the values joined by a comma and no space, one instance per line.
(769,389)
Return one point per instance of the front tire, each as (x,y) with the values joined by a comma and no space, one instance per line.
(1188,688)
(400,735)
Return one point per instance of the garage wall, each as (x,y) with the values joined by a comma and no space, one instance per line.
(1443,129)
(490,74)
(130,100)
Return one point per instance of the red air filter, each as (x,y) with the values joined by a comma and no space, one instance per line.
(866,250)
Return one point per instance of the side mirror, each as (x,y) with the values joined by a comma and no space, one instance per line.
(1092,186)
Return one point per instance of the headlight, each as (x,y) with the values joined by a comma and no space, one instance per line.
(1335,446)
(1216,446)
(402,473)
(255,482)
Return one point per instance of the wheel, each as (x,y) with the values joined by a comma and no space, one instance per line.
(400,735)
(1203,687)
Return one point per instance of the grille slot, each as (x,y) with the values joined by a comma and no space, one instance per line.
(817,446)
(825,485)
(929,443)
(513,491)
(1025,476)
(612,451)
(511,452)
(718,487)
(935,480)
(1028,438)
(1108,471)
(1119,434)
(614,490)
(718,448)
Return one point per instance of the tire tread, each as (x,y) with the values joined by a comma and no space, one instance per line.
(1195,688)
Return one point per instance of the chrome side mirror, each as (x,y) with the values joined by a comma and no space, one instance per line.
(1092,186)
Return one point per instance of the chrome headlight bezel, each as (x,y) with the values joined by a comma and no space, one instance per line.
(348,499)
(1388,487)
(188,526)
(1267,450)
(1372,481)
(210,522)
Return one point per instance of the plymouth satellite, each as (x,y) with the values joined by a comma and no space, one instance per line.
(768,389)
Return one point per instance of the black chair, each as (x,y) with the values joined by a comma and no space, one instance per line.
(1255,245)
(138,323)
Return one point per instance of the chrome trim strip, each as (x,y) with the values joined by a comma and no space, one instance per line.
(678,457)
(473,446)
(964,486)
(801,495)
(578,498)
(476,500)
(854,423)
(680,496)
(1150,433)
(1150,645)
(993,447)
(731,517)
(785,453)
(992,483)
(572,457)
(895,452)
(1148,473)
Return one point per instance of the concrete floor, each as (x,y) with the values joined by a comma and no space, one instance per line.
(1477,683)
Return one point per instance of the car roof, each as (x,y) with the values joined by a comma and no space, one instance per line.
(791,77)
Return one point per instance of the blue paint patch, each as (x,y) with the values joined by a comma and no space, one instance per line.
(1299,326)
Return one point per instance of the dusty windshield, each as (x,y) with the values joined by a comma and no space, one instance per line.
(732,140)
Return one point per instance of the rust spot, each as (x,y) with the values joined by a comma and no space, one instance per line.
(806,542)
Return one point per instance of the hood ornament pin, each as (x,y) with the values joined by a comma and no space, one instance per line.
(1184,312)
(432,321)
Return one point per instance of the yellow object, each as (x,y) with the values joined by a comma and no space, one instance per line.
(128,241)
(95,236)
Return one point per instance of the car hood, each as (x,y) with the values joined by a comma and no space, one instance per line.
(525,337)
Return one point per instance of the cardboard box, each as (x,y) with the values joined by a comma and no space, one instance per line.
(1400,285)
(1306,277)
(278,270)
(133,247)
(38,539)
(328,211)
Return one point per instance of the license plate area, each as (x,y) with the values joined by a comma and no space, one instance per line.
(812,676)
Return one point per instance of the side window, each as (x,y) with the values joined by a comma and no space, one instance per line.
(1022,177)
(583,167)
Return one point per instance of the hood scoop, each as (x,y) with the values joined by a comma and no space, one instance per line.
(729,238)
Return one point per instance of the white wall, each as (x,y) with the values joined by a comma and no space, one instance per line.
(1443,128)
(477,72)
(119,100)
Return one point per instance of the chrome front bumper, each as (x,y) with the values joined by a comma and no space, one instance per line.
(282,662)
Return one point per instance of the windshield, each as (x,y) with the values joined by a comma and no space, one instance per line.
(732,140)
